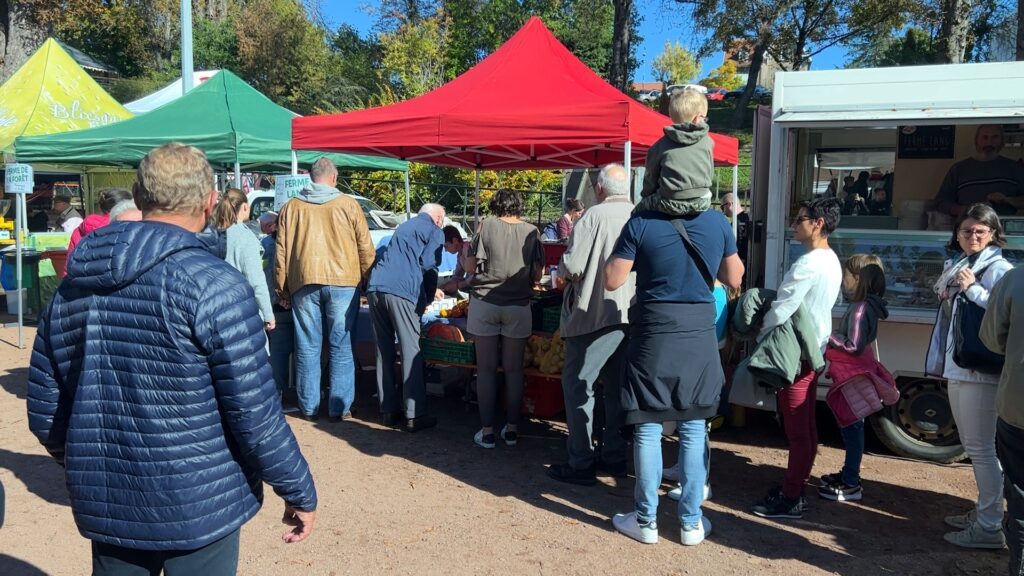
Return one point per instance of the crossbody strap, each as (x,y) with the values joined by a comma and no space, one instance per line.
(694,253)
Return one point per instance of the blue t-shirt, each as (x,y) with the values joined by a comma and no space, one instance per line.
(664,270)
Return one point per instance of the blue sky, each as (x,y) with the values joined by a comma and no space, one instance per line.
(655,31)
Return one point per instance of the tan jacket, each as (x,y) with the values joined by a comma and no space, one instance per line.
(326,243)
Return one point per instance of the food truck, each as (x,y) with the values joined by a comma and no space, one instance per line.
(904,127)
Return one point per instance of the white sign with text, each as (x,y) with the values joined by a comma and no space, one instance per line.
(18,179)
(287,186)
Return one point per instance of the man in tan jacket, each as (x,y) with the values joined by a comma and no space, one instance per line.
(324,252)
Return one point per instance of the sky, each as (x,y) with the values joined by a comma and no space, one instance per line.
(654,30)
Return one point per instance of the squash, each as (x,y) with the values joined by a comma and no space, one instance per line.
(445,332)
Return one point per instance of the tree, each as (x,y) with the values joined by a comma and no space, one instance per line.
(623,22)
(24,25)
(724,76)
(675,65)
(954,31)
(1020,30)
(413,57)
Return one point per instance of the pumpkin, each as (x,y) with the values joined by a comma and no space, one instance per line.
(445,332)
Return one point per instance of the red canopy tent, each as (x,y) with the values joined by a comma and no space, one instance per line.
(531,104)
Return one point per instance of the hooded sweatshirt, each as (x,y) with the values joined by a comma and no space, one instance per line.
(149,382)
(680,171)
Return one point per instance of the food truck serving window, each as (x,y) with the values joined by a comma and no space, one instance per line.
(888,180)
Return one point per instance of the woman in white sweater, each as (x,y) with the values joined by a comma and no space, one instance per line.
(972,273)
(814,280)
(244,252)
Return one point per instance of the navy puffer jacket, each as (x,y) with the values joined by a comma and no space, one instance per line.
(149,382)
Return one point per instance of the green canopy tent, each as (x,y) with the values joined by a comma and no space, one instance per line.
(238,127)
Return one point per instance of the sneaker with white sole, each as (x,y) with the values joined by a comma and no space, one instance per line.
(962,521)
(695,534)
(484,440)
(510,437)
(974,536)
(627,524)
(677,492)
(841,492)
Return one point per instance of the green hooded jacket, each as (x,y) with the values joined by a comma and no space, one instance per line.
(679,171)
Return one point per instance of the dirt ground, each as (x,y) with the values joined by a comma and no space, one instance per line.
(433,503)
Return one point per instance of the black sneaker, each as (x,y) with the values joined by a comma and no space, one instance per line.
(836,478)
(566,473)
(778,506)
(613,469)
(840,492)
(421,423)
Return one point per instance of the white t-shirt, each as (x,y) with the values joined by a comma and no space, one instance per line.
(814,280)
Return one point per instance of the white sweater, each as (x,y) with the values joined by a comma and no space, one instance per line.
(814,280)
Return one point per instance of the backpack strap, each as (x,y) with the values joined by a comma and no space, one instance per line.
(694,253)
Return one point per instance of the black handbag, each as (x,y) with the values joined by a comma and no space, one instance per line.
(968,349)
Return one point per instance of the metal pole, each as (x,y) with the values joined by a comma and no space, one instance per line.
(408,205)
(735,199)
(295,163)
(476,202)
(186,46)
(19,219)
(627,163)
(238,176)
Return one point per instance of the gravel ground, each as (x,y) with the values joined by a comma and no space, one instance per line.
(433,503)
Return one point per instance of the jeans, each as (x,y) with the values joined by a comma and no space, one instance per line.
(693,471)
(853,439)
(1010,444)
(325,312)
(974,411)
(219,558)
(587,357)
(392,316)
(282,346)
(797,403)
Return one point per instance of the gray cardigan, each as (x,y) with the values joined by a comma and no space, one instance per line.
(587,306)
(246,255)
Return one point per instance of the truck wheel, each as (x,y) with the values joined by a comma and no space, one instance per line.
(921,424)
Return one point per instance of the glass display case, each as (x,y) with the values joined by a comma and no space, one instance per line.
(913,262)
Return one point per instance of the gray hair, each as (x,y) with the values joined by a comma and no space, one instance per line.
(614,180)
(433,209)
(173,179)
(120,208)
(322,169)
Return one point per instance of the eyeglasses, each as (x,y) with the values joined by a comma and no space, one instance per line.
(802,219)
(978,232)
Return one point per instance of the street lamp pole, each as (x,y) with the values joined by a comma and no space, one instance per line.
(186,46)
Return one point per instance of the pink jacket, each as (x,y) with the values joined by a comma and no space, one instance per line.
(860,385)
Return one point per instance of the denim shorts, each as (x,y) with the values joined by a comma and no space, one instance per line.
(486,319)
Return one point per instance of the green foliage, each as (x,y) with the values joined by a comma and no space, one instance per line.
(214,44)
(675,65)
(413,56)
(724,76)
(116,33)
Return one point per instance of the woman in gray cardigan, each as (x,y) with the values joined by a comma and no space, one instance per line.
(244,252)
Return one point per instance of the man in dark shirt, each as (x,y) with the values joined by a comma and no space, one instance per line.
(403,281)
(730,207)
(986,177)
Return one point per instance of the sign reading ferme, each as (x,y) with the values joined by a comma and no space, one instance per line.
(18,179)
(288,186)
(925,142)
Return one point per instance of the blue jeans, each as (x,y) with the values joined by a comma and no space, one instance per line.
(325,313)
(693,473)
(282,346)
(853,439)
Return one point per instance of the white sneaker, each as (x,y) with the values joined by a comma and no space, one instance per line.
(484,441)
(974,536)
(627,524)
(696,534)
(510,437)
(962,521)
(677,492)
(670,474)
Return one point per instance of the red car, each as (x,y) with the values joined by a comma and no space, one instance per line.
(716,93)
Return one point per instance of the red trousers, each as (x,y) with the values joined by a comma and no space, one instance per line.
(797,404)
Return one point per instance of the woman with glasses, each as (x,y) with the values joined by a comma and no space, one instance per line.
(814,281)
(973,271)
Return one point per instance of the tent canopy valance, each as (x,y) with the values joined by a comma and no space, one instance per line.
(530,105)
(232,122)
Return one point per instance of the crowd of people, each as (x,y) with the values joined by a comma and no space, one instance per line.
(157,371)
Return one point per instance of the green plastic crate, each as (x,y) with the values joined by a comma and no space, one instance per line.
(441,350)
(552,319)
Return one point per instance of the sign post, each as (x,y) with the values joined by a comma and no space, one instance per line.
(19,180)
(287,186)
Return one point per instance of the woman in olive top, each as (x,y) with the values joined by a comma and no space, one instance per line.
(508,258)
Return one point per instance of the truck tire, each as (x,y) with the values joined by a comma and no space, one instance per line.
(920,425)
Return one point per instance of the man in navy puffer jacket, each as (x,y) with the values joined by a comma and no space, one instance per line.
(150,384)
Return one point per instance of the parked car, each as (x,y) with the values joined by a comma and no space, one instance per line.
(380,221)
(648,95)
(676,87)
(760,94)
(716,94)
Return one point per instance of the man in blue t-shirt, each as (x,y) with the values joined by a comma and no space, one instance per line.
(403,282)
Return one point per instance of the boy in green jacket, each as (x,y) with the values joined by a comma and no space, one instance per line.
(680,166)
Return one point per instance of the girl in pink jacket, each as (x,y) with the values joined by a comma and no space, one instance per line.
(860,383)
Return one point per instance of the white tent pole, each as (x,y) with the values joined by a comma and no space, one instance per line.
(186,46)
(735,200)
(408,202)
(19,219)
(476,202)
(238,175)
(627,163)
(295,163)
